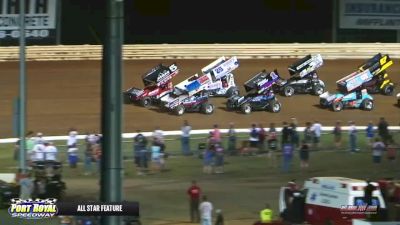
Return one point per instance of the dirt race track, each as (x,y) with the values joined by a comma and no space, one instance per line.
(67,94)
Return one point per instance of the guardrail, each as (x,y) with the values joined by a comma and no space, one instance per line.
(205,51)
(193,132)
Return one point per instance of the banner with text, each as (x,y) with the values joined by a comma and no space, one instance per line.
(40,19)
(369,14)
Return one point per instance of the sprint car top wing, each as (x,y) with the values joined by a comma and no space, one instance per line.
(160,75)
(306,65)
(221,67)
(354,80)
(376,64)
(192,85)
(261,81)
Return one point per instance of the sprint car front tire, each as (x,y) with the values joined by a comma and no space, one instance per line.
(318,89)
(323,103)
(179,110)
(145,102)
(288,91)
(388,89)
(367,104)
(229,106)
(275,106)
(207,108)
(246,108)
(337,106)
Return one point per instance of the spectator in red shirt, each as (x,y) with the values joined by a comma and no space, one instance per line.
(194,192)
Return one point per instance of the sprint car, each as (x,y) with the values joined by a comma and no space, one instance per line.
(259,95)
(304,78)
(222,80)
(356,99)
(157,83)
(189,96)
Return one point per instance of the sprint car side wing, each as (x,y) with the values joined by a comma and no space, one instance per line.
(160,74)
(221,67)
(306,65)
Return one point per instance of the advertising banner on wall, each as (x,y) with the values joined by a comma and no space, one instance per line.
(369,14)
(40,19)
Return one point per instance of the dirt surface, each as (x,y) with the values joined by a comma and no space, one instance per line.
(67,94)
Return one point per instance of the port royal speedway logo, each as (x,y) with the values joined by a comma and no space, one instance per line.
(359,209)
(33,209)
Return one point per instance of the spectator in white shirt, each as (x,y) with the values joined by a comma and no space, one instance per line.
(37,153)
(50,151)
(185,138)
(72,140)
(206,209)
(316,131)
(353,137)
(158,135)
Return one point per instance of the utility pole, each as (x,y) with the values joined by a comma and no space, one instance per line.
(111,104)
(22,88)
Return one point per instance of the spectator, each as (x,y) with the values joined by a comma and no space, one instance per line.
(370,133)
(220,217)
(337,135)
(383,130)
(158,135)
(377,150)
(156,155)
(72,141)
(304,154)
(353,137)
(206,211)
(26,186)
(261,138)
(285,133)
(219,158)
(272,137)
(254,138)
(216,134)
(50,151)
(316,129)
(88,156)
(232,139)
(287,152)
(194,192)
(294,137)
(185,138)
(37,153)
(208,157)
(97,152)
(140,142)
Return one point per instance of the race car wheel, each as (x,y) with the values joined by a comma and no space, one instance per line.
(288,91)
(388,89)
(232,92)
(275,106)
(179,110)
(337,106)
(246,108)
(367,104)
(318,89)
(229,106)
(207,108)
(323,103)
(127,99)
(145,102)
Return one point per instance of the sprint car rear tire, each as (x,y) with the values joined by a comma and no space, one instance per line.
(207,108)
(367,104)
(323,103)
(318,89)
(388,89)
(179,110)
(145,102)
(288,91)
(246,108)
(337,106)
(275,106)
(232,91)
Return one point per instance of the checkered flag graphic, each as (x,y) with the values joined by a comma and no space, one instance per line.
(50,201)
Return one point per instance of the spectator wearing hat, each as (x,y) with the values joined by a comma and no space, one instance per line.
(185,137)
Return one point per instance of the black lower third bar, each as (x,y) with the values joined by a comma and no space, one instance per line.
(98,209)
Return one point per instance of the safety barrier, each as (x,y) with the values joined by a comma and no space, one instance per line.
(193,132)
(205,51)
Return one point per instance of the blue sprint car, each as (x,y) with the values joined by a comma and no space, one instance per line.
(357,99)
